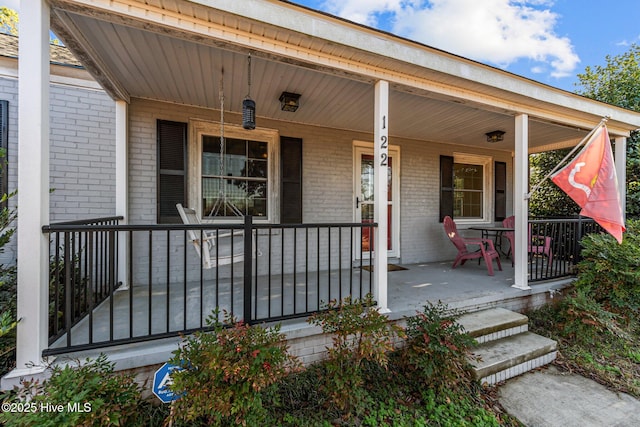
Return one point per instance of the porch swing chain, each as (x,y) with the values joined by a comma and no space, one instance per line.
(222,193)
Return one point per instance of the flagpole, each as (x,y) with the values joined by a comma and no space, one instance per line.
(559,165)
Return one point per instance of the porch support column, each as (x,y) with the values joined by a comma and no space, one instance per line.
(122,189)
(621,171)
(33,185)
(380,172)
(521,203)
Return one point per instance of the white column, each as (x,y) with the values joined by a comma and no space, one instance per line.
(380,172)
(122,189)
(520,201)
(33,183)
(621,171)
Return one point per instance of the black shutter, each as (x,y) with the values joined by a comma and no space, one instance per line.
(291,180)
(172,176)
(500,197)
(4,145)
(446,187)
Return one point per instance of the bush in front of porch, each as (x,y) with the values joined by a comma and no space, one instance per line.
(8,290)
(597,323)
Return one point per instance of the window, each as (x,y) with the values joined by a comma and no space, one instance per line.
(468,187)
(233,176)
(465,187)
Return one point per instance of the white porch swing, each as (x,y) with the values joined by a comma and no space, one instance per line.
(221,247)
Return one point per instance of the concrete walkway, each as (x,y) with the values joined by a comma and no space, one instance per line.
(551,398)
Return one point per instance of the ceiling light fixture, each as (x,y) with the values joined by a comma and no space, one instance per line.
(495,136)
(289,101)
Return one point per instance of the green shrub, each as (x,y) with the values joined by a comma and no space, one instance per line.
(8,290)
(359,333)
(225,371)
(609,271)
(90,394)
(438,349)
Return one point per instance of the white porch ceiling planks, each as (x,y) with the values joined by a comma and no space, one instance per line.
(174,51)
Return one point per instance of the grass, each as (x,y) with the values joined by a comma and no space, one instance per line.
(594,341)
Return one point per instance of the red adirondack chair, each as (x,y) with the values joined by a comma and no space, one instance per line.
(510,222)
(538,244)
(485,248)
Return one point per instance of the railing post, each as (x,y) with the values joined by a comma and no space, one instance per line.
(576,246)
(248,272)
(67,288)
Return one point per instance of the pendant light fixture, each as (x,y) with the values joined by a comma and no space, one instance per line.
(248,104)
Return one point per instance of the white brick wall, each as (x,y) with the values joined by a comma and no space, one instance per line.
(82,150)
(327,177)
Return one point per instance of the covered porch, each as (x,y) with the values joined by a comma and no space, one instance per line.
(287,272)
(369,101)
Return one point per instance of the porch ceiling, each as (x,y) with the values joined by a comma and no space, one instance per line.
(136,57)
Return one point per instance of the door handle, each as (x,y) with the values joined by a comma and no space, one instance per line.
(357,202)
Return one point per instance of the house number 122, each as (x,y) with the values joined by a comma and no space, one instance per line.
(384,157)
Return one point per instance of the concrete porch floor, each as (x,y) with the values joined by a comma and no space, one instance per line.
(466,288)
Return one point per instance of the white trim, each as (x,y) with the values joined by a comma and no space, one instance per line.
(621,171)
(520,201)
(198,128)
(122,188)
(33,184)
(488,185)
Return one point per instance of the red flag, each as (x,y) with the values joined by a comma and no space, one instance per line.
(590,180)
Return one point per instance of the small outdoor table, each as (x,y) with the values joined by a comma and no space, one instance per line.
(496,232)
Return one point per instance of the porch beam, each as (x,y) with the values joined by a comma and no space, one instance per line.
(380,189)
(33,185)
(122,188)
(521,203)
(621,171)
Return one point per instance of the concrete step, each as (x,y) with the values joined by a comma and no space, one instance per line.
(493,324)
(511,356)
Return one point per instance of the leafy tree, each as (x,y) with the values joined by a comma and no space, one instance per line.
(8,21)
(618,83)
(548,200)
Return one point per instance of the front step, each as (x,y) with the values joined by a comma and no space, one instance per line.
(506,347)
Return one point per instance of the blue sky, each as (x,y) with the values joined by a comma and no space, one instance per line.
(550,41)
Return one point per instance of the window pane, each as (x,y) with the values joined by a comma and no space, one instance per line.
(468,192)
(257,150)
(257,169)
(239,189)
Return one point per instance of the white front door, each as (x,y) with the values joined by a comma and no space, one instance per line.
(364,199)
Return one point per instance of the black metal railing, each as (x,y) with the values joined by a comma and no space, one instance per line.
(554,246)
(82,266)
(258,272)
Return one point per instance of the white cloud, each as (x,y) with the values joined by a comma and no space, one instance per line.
(499,32)
(363,11)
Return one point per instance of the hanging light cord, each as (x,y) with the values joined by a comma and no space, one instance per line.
(249,75)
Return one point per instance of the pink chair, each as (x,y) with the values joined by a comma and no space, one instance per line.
(510,222)
(538,244)
(486,250)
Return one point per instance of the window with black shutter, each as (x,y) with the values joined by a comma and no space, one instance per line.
(500,190)
(291,180)
(4,146)
(172,177)
(446,187)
